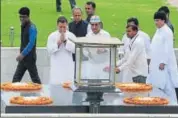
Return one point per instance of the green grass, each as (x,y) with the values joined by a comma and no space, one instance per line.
(113,13)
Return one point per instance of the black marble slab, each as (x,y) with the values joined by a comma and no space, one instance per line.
(67,101)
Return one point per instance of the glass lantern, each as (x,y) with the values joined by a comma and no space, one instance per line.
(93,55)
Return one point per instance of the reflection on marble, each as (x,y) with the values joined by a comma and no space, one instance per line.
(65,97)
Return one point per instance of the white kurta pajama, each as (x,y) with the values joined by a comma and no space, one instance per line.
(61,62)
(134,62)
(97,62)
(162,51)
(126,77)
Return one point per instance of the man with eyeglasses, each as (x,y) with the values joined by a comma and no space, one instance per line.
(58,5)
(98,57)
(27,57)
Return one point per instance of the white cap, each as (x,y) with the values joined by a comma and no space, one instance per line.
(95,19)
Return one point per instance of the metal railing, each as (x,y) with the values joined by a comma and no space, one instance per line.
(89,115)
(11,36)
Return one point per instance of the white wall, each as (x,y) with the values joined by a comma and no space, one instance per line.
(9,63)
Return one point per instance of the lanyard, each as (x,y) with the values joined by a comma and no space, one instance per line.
(132,42)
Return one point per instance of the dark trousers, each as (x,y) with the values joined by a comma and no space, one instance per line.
(72,3)
(22,67)
(176,89)
(139,79)
(148,62)
(58,4)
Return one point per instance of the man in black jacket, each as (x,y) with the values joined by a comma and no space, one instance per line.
(78,26)
(27,57)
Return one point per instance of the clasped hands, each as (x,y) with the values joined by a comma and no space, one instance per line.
(161,66)
(61,39)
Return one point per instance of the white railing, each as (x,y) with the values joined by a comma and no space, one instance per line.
(90,115)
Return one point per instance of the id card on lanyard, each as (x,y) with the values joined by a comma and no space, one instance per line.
(130,45)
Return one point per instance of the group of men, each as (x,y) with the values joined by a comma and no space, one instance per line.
(144,61)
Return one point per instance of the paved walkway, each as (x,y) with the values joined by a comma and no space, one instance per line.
(173,3)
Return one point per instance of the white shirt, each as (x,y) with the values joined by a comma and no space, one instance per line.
(97,62)
(144,36)
(135,59)
(93,51)
(100,33)
(61,62)
(89,28)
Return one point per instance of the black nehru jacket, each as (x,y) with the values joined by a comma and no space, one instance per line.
(31,56)
(28,50)
(78,29)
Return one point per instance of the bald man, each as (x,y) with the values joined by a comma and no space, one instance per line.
(78,26)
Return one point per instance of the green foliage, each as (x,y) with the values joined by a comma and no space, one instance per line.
(113,13)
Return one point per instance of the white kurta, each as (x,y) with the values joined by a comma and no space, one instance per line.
(134,62)
(144,36)
(97,62)
(162,51)
(61,62)
(89,28)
